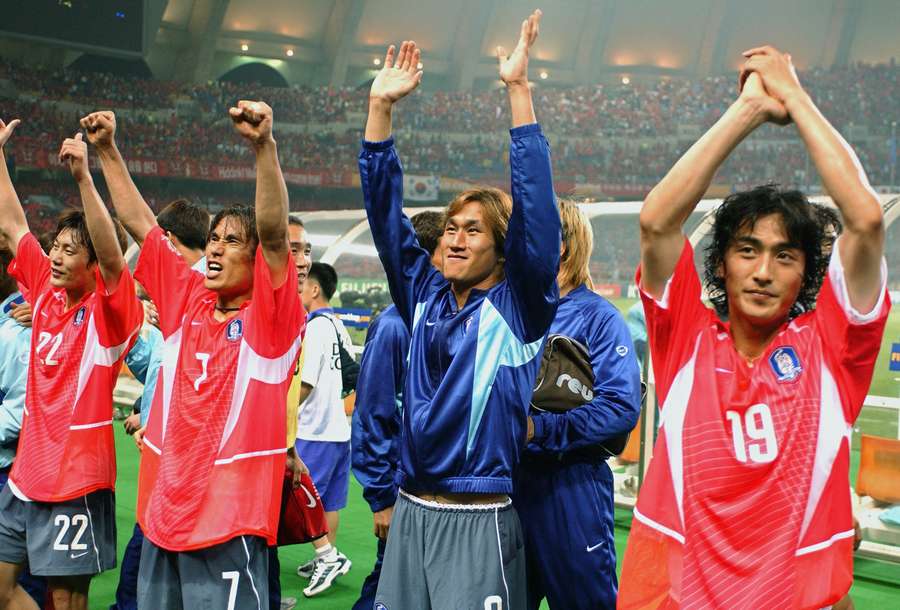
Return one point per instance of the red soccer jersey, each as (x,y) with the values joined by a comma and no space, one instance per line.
(746,503)
(66,447)
(214,453)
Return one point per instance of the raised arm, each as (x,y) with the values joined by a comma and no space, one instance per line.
(253,120)
(99,223)
(131,209)
(406,264)
(862,242)
(533,236)
(671,202)
(13,224)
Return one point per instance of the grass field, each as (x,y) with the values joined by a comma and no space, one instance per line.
(877,585)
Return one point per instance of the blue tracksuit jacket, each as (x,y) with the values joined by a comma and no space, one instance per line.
(471,369)
(375,441)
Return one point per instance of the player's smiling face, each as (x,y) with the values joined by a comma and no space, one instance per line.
(763,273)
(70,266)
(301,252)
(229,259)
(468,251)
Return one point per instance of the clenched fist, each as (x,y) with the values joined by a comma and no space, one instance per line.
(253,120)
(100,128)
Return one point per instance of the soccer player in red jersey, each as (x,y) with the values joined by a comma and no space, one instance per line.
(214,447)
(746,503)
(58,510)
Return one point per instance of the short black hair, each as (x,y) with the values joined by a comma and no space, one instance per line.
(246,218)
(295,220)
(186,221)
(75,221)
(429,228)
(7,282)
(810,227)
(325,276)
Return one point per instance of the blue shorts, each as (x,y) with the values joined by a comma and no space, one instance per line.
(329,467)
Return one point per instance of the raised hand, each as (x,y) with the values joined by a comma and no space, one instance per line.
(753,91)
(253,120)
(100,128)
(6,130)
(397,79)
(514,68)
(777,71)
(74,152)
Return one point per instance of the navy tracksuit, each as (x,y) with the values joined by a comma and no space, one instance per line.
(564,489)
(376,424)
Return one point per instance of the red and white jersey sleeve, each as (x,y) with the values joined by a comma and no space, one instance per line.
(31,266)
(214,445)
(167,278)
(66,446)
(853,338)
(674,321)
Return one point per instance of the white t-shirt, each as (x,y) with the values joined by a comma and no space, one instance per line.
(322,416)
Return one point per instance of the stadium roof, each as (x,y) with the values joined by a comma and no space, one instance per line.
(336,42)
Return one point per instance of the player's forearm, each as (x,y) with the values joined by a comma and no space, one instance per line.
(131,209)
(842,174)
(520,105)
(862,243)
(103,234)
(378,125)
(271,200)
(13,224)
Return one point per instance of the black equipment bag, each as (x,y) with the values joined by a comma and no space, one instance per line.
(566,381)
(349,365)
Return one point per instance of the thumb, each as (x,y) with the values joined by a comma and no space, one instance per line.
(79,137)
(501,54)
(13,124)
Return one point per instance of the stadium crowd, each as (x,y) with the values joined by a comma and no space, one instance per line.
(624,134)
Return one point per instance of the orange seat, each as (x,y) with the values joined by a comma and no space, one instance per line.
(349,403)
(879,468)
(632,452)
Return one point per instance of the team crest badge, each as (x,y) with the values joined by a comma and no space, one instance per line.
(380,606)
(785,364)
(235,330)
(79,316)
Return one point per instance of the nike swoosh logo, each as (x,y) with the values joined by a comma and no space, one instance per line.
(427,323)
(312,501)
(74,556)
(595,547)
(718,370)
(195,323)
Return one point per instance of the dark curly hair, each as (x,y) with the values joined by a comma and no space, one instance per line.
(809,226)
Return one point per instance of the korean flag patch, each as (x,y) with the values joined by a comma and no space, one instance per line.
(785,364)
(79,316)
(235,330)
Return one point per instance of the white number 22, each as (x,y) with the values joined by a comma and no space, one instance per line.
(757,425)
(44,339)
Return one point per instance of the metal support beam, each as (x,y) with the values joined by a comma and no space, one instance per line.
(596,26)
(340,38)
(471,27)
(195,61)
(714,44)
(842,27)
